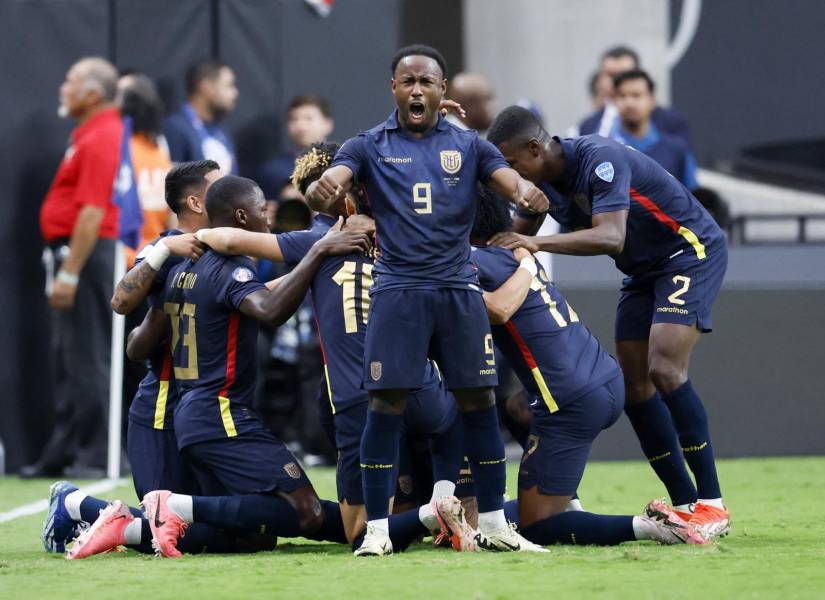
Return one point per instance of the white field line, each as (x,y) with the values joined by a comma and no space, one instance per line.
(98,487)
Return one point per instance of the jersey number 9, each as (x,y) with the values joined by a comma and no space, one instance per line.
(423,198)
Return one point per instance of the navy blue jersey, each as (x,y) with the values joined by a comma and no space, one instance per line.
(340,299)
(423,198)
(214,346)
(555,356)
(664,219)
(156,396)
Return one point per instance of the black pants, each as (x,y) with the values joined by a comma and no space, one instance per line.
(80,354)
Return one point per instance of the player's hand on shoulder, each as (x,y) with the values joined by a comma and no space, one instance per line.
(511,241)
(521,253)
(451,105)
(185,245)
(360,224)
(337,242)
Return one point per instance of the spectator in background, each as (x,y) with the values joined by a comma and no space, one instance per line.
(475,94)
(636,101)
(195,132)
(79,223)
(308,120)
(139,100)
(601,89)
(616,61)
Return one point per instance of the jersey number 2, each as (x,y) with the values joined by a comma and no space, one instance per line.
(674,297)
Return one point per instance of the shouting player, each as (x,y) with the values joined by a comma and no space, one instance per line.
(617,201)
(575,391)
(420,174)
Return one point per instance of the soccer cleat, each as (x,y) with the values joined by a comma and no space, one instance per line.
(507,539)
(710,521)
(166,526)
(105,534)
(376,543)
(666,527)
(58,527)
(450,514)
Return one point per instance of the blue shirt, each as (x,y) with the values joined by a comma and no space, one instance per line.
(423,198)
(555,356)
(275,174)
(190,138)
(671,152)
(668,120)
(214,346)
(157,395)
(664,219)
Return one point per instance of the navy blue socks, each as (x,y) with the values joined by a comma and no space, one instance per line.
(581,528)
(485,451)
(255,513)
(379,454)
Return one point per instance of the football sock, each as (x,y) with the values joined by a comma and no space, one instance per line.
(447,451)
(405,528)
(653,424)
(485,451)
(427,517)
(581,528)
(692,424)
(442,488)
(715,502)
(133,533)
(574,504)
(382,525)
(87,508)
(511,511)
(684,508)
(202,537)
(332,527)
(254,513)
(181,505)
(379,454)
(492,521)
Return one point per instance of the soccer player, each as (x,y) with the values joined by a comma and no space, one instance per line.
(615,200)
(420,174)
(341,304)
(574,389)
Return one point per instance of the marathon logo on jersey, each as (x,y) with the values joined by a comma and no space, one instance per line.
(242,275)
(292,470)
(451,161)
(395,160)
(605,171)
(375,370)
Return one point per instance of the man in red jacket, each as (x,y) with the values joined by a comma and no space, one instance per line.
(79,223)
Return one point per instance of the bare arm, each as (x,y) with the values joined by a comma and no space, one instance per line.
(528,225)
(503,303)
(322,194)
(508,183)
(237,242)
(606,236)
(81,244)
(146,337)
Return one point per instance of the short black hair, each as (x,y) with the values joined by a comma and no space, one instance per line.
(183,177)
(315,100)
(516,123)
(204,69)
(632,75)
(620,51)
(492,215)
(142,103)
(419,50)
(228,193)
(294,212)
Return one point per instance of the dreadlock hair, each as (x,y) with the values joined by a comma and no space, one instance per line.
(184,178)
(517,125)
(492,215)
(312,163)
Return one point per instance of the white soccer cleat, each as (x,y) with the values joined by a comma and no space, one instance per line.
(507,539)
(376,543)
(450,514)
(662,524)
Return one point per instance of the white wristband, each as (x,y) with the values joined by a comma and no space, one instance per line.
(157,255)
(529,265)
(67,278)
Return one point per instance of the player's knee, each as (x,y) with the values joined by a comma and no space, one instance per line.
(474,398)
(666,375)
(309,509)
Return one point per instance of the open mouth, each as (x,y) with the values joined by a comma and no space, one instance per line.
(417,110)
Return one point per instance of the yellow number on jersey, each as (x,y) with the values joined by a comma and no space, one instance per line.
(674,297)
(423,197)
(183,318)
(345,277)
(539,286)
(488,350)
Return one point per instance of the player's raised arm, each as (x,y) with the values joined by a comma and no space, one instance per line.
(334,183)
(278,305)
(508,183)
(503,302)
(238,242)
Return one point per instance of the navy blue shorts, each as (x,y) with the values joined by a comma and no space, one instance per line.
(156,461)
(559,443)
(407,326)
(251,463)
(683,294)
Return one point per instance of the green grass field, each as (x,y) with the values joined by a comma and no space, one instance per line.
(776,549)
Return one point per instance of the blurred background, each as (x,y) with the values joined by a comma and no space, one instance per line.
(744,75)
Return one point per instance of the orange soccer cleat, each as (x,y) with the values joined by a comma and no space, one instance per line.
(105,534)
(166,526)
(710,521)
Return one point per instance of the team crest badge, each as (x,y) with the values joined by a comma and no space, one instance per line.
(292,470)
(242,275)
(605,171)
(375,370)
(451,161)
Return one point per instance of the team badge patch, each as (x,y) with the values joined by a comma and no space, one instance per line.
(605,171)
(375,370)
(451,161)
(292,470)
(242,275)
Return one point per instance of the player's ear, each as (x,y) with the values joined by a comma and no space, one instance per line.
(392,84)
(443,87)
(195,204)
(534,147)
(240,216)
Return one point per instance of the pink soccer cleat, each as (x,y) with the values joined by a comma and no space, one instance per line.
(671,528)
(166,526)
(450,514)
(105,534)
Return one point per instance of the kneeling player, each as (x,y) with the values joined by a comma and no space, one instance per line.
(575,389)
